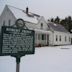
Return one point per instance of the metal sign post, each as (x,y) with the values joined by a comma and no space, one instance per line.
(17,64)
(17,67)
(16,42)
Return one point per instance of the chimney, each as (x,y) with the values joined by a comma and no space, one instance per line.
(27,10)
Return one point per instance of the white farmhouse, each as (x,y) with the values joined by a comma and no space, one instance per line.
(46,33)
(60,35)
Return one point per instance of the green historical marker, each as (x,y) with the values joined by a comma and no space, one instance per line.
(16,42)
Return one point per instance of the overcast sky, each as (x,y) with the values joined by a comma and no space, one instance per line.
(46,8)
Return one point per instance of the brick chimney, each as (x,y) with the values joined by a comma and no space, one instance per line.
(27,10)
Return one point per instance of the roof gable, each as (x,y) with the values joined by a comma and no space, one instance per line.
(19,13)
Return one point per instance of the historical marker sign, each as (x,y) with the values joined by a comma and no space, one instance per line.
(16,41)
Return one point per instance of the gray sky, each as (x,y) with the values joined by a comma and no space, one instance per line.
(46,8)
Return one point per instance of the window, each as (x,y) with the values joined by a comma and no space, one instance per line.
(56,38)
(43,37)
(69,39)
(60,38)
(9,22)
(38,36)
(48,37)
(4,23)
(65,38)
(41,25)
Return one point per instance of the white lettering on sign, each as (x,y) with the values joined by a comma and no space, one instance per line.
(17,40)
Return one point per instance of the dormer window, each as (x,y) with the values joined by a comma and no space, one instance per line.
(41,25)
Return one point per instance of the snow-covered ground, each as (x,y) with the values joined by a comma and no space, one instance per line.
(45,59)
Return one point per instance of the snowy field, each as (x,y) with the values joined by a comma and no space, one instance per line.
(45,59)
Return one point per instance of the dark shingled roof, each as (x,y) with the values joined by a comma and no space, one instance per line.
(57,27)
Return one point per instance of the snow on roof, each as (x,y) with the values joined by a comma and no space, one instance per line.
(19,13)
(57,27)
(42,31)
